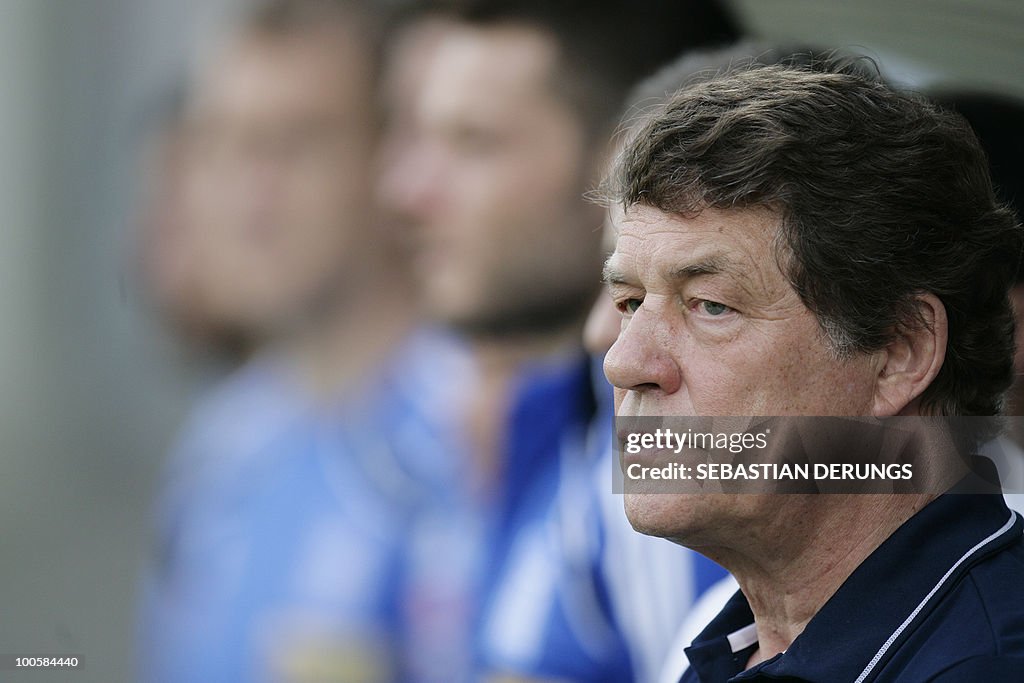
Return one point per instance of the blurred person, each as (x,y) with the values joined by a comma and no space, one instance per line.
(823,231)
(283,511)
(512,120)
(272,124)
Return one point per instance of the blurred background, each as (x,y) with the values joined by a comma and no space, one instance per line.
(93,389)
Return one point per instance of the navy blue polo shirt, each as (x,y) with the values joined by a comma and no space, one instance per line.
(942,599)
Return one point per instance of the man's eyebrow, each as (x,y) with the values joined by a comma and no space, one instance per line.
(610,275)
(712,265)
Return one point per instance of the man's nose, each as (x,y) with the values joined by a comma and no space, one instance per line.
(641,359)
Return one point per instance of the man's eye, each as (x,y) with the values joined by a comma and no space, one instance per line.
(714,308)
(630,305)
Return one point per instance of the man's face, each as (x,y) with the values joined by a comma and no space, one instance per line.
(711,326)
(492,185)
(280,138)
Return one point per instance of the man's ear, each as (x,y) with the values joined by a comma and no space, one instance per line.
(911,360)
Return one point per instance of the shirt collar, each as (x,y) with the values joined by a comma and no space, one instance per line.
(864,622)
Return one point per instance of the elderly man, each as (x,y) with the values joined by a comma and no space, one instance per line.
(806,241)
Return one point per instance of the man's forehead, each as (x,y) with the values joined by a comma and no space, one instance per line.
(623,267)
(711,242)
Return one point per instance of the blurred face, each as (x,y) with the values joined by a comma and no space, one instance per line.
(492,186)
(711,326)
(280,135)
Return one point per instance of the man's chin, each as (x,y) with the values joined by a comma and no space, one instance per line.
(653,514)
(683,518)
